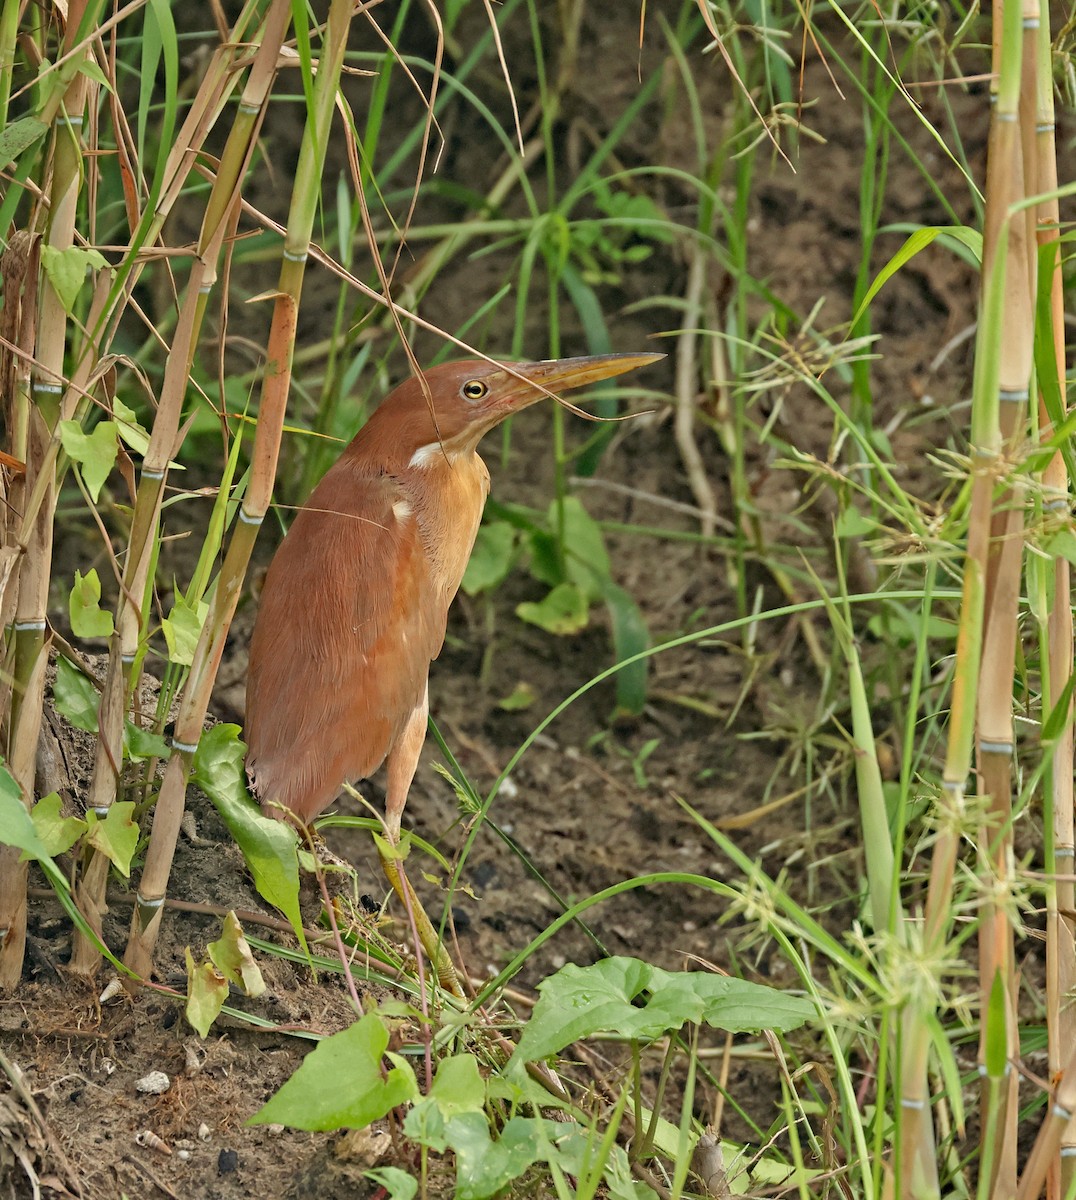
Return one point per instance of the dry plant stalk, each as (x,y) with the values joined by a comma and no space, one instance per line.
(982,690)
(121,681)
(35,530)
(1008,250)
(275,385)
(1061,897)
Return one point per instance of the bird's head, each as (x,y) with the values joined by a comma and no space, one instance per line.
(464,400)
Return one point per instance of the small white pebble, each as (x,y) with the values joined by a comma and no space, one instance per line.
(203,1132)
(183,1155)
(689,926)
(558,961)
(156,1083)
(509,788)
(275,1130)
(107,1065)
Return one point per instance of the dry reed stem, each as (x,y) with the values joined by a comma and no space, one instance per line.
(121,680)
(29,629)
(275,386)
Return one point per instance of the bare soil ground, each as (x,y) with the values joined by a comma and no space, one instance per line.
(730,733)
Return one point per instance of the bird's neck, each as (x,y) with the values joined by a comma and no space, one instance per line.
(447,493)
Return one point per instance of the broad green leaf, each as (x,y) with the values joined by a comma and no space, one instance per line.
(74,696)
(232,957)
(88,618)
(339,1084)
(1061,544)
(19,136)
(521,696)
(425,1124)
(16,827)
(207,989)
(491,559)
(563,611)
(182,628)
(141,744)
(484,1166)
(635,1000)
(128,426)
(586,561)
(116,836)
(458,1086)
(66,270)
(94,452)
(398,1184)
(57,832)
(630,637)
(268,846)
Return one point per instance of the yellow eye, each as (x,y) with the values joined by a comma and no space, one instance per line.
(474,389)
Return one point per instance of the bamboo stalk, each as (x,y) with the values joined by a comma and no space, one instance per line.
(1006,247)
(1058,636)
(35,539)
(917,1158)
(124,657)
(275,385)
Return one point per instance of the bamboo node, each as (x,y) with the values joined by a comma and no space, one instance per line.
(150,473)
(146,910)
(248,109)
(54,389)
(916,1105)
(291,256)
(1059,1110)
(1030,22)
(184,747)
(37,625)
(251,518)
(1045,126)
(101,811)
(1013,395)
(1008,117)
(988,747)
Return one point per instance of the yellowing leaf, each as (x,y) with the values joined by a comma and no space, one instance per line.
(182,628)
(129,428)
(88,619)
(94,452)
(521,696)
(56,832)
(232,957)
(564,611)
(116,836)
(207,989)
(66,270)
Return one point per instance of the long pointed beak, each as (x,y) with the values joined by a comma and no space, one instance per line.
(565,374)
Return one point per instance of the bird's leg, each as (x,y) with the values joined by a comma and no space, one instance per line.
(401,765)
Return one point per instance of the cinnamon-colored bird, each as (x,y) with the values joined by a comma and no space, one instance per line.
(355,604)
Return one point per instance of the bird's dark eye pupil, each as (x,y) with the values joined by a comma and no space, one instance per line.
(474,389)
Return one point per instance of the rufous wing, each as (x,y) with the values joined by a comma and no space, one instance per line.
(348,624)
